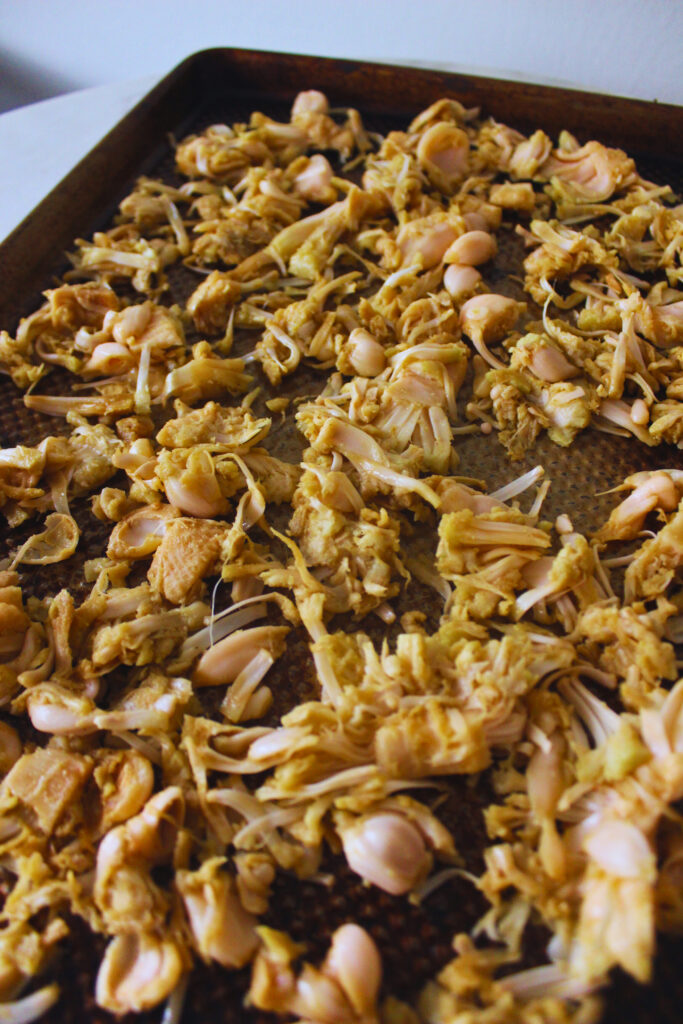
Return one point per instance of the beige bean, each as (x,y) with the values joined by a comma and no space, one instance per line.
(430,246)
(314,181)
(137,972)
(221,928)
(387,850)
(366,355)
(109,357)
(58,719)
(206,505)
(223,662)
(354,963)
(472,249)
(443,152)
(640,413)
(310,101)
(459,281)
(551,365)
(486,318)
(131,322)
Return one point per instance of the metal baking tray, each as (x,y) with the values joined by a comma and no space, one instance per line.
(227,85)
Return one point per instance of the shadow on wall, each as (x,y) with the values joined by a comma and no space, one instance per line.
(23,82)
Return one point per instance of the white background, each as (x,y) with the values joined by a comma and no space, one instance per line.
(627,47)
(117,49)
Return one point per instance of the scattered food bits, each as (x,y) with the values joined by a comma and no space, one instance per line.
(165,763)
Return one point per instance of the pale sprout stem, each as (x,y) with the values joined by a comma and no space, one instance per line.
(595,715)
(150,751)
(346,779)
(537,504)
(518,486)
(618,562)
(563,524)
(470,428)
(267,823)
(30,1008)
(331,691)
(548,981)
(434,882)
(386,613)
(214,592)
(242,689)
(230,619)
(173,1010)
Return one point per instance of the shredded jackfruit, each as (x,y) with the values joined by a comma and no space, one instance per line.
(155,778)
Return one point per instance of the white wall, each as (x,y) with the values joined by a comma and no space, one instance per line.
(626,47)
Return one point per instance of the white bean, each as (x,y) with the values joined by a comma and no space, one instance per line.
(310,101)
(387,850)
(354,963)
(640,413)
(366,354)
(471,249)
(459,281)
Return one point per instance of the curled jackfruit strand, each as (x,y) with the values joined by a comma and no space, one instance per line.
(57,542)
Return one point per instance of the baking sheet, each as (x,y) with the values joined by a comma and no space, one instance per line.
(227,85)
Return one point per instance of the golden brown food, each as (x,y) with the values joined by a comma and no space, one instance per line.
(149,786)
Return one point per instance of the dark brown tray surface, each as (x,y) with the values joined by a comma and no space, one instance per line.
(227,85)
